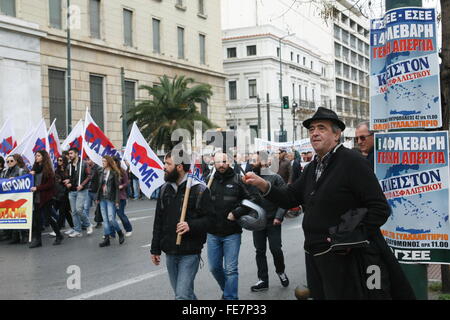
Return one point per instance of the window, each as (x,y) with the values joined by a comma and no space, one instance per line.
(337,32)
(8,7)
(298,58)
(231,53)
(201,7)
(251,50)
(55,13)
(180,32)
(304,61)
(299,92)
(252,93)
(346,88)
(337,49)
(313,95)
(204,109)
(128,27)
(292,56)
(339,103)
(94,11)
(130,97)
(345,36)
(156,35)
(232,90)
(312,64)
(306,93)
(180,2)
(57,99)
(338,86)
(202,40)
(96,94)
(278,52)
(293,91)
(353,41)
(347,71)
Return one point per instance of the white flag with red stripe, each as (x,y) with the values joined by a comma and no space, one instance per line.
(8,139)
(75,138)
(53,144)
(144,163)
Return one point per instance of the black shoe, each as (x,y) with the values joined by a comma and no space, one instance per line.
(121,237)
(105,242)
(98,225)
(284,279)
(260,286)
(58,240)
(35,244)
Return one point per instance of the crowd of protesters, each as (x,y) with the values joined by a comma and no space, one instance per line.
(63,197)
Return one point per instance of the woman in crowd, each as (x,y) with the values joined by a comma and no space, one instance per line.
(123,184)
(44,190)
(15,168)
(2,164)
(62,204)
(108,196)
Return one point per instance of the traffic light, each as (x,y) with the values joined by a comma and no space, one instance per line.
(285,102)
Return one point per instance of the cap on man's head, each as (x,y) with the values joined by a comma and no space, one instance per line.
(324,114)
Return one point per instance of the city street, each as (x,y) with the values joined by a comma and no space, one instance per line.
(126,272)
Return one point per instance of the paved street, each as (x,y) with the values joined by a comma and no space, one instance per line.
(126,272)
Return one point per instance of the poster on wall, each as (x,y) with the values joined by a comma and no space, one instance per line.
(404,70)
(413,171)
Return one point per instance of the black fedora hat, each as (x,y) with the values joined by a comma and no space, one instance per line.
(324,114)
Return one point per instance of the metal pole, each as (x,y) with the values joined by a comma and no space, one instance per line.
(69,75)
(258,100)
(268,117)
(124,111)
(281,94)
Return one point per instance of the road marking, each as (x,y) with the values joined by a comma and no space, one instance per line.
(119,285)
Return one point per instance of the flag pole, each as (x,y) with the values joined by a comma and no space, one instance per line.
(82,147)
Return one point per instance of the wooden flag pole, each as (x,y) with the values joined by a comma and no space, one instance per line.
(212,178)
(185,203)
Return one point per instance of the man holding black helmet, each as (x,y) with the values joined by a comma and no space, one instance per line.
(224,237)
(272,232)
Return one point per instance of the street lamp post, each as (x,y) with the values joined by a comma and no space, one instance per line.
(281,84)
(69,75)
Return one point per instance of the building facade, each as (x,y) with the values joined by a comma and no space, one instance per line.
(254,59)
(117,46)
(338,43)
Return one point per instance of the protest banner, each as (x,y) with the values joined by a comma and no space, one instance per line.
(16,203)
(404,70)
(303,145)
(7,139)
(413,171)
(144,163)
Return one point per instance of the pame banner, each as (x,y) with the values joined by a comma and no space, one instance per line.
(404,70)
(413,171)
(16,202)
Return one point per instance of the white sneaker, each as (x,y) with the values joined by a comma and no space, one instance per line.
(128,234)
(69,231)
(90,229)
(52,234)
(75,234)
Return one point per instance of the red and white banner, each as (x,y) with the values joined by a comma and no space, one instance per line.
(7,139)
(144,163)
(53,144)
(96,143)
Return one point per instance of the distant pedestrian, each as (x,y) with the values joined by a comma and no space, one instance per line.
(123,185)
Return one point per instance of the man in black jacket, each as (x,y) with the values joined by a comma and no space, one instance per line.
(272,232)
(92,186)
(336,181)
(365,140)
(224,237)
(182,260)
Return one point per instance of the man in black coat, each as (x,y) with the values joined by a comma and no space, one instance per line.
(182,260)
(337,181)
(224,236)
(365,140)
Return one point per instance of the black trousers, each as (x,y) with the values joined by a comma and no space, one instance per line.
(37,214)
(63,208)
(273,235)
(334,276)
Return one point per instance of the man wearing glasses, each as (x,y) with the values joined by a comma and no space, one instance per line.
(364,138)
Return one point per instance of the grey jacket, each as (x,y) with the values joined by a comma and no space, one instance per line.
(272,210)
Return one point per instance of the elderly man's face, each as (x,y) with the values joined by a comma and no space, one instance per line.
(364,139)
(322,137)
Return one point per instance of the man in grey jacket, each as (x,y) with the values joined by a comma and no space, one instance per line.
(272,232)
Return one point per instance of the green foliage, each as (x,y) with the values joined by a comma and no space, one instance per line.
(171,106)
(435,286)
(444,296)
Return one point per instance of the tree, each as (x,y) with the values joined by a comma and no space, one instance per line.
(171,106)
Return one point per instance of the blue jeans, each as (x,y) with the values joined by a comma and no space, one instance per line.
(110,224)
(136,188)
(123,217)
(91,196)
(77,200)
(182,271)
(223,255)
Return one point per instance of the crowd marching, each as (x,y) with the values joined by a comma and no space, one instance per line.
(336,189)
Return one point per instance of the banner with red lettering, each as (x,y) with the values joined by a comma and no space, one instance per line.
(404,70)
(144,163)
(413,171)
(96,143)
(7,139)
